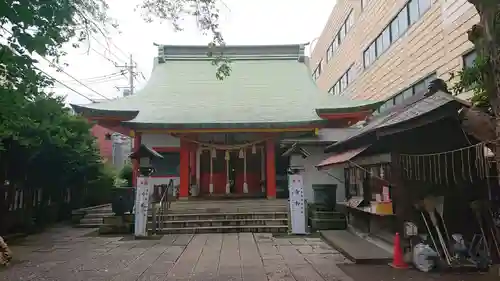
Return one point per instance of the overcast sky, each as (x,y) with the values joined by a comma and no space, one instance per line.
(242,22)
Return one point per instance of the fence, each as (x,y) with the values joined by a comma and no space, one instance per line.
(25,210)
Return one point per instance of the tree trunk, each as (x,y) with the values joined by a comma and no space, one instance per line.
(486,38)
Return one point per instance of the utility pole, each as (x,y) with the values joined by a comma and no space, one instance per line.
(131,75)
(130,67)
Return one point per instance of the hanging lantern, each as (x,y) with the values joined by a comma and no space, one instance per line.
(254,149)
(242,154)
(214,153)
(227,155)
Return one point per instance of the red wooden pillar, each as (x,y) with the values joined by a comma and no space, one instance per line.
(136,162)
(184,170)
(270,169)
(192,159)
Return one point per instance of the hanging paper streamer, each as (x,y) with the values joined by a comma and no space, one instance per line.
(254,149)
(227,146)
(241,155)
(226,157)
(214,153)
(438,167)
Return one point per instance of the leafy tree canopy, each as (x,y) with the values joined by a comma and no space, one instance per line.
(42,145)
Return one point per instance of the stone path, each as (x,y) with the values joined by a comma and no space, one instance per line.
(68,254)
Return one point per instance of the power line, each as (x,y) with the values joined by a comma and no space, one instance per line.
(72,77)
(68,87)
(107,48)
(60,69)
(50,76)
(104,56)
(98,78)
(105,81)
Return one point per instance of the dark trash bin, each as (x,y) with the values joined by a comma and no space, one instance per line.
(123,199)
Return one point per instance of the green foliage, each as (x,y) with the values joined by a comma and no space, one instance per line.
(126,175)
(43,146)
(99,190)
(206,14)
(471,79)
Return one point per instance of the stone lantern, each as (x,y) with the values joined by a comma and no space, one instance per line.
(144,188)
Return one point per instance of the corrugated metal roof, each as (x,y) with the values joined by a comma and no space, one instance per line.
(325,136)
(340,158)
(414,107)
(260,90)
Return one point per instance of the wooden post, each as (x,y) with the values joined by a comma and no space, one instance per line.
(270,169)
(245,184)
(136,162)
(198,166)
(184,170)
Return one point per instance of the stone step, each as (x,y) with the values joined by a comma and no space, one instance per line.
(258,204)
(226,229)
(327,215)
(222,222)
(212,205)
(97,211)
(232,201)
(87,220)
(87,225)
(98,215)
(225,210)
(223,216)
(328,224)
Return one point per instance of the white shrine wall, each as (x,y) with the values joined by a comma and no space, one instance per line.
(160,140)
(311,175)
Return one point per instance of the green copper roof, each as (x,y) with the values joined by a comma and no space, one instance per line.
(269,86)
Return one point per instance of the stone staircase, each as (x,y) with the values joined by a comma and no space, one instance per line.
(324,218)
(208,216)
(215,216)
(93,216)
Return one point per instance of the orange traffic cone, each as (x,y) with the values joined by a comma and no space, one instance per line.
(397,257)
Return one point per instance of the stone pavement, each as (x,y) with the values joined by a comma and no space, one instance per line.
(65,254)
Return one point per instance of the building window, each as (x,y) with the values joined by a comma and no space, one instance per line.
(378,46)
(383,41)
(424,5)
(317,71)
(408,93)
(395,29)
(418,87)
(369,55)
(349,22)
(408,15)
(386,38)
(340,35)
(403,21)
(351,75)
(337,88)
(399,99)
(344,81)
(469,59)
(413,11)
(364,3)
(329,52)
